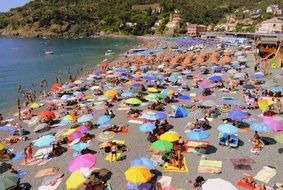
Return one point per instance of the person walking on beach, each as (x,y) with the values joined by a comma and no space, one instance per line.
(114,149)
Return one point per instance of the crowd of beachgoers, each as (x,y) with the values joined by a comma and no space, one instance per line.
(177,118)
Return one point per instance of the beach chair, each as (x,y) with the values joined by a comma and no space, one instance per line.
(234,141)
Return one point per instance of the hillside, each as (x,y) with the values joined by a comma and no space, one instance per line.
(87,17)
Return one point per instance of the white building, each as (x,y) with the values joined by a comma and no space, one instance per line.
(274,9)
(273,25)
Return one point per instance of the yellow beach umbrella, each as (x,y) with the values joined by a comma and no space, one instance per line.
(2,147)
(170,136)
(35,105)
(263,104)
(75,180)
(111,93)
(138,174)
(153,90)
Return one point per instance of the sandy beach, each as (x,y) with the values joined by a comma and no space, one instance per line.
(135,140)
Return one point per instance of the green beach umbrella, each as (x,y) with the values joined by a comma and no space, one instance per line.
(133,101)
(162,145)
(152,97)
(279,138)
(8,180)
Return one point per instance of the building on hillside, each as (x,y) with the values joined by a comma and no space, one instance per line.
(274,9)
(195,29)
(273,25)
(255,12)
(174,23)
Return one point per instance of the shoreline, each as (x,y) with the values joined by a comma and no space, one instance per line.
(11,111)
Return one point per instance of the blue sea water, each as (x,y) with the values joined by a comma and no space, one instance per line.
(24,62)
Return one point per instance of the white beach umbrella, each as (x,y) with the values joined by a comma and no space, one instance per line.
(78,82)
(218,184)
(94,87)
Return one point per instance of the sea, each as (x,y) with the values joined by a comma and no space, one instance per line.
(23,62)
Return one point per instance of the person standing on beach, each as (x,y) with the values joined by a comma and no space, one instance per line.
(114,149)
(19,108)
(28,153)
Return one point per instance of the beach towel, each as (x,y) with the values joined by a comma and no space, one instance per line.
(197,147)
(18,155)
(43,162)
(108,157)
(165,181)
(168,168)
(123,109)
(46,172)
(139,122)
(50,187)
(244,184)
(209,166)
(265,174)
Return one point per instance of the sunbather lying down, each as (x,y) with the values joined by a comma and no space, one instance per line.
(116,128)
(250,180)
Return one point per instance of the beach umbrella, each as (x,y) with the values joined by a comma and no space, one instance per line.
(161,115)
(143,161)
(152,97)
(170,136)
(147,127)
(137,85)
(152,90)
(68,119)
(162,145)
(274,124)
(148,77)
(150,115)
(127,94)
(85,118)
(166,92)
(239,75)
(228,128)
(237,115)
(78,82)
(75,180)
(231,71)
(133,101)
(82,161)
(80,146)
(183,98)
(94,87)
(82,129)
(261,127)
(2,147)
(106,136)
(279,138)
(204,84)
(46,140)
(208,103)
(55,87)
(35,105)
(102,98)
(173,78)
(8,180)
(258,75)
(138,186)
(277,89)
(46,114)
(219,184)
(138,174)
(110,93)
(264,104)
(249,86)
(65,97)
(198,135)
(103,119)
(215,78)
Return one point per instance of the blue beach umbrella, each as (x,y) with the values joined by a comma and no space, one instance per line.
(249,86)
(258,75)
(46,140)
(161,115)
(65,97)
(148,77)
(183,98)
(127,94)
(228,128)
(150,115)
(173,78)
(277,89)
(8,129)
(179,111)
(80,146)
(198,135)
(143,161)
(215,78)
(261,127)
(85,118)
(137,85)
(147,127)
(237,115)
(103,119)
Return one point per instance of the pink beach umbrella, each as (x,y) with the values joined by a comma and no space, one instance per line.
(82,129)
(205,83)
(274,124)
(82,161)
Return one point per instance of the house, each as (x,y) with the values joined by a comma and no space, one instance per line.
(195,29)
(274,9)
(255,12)
(174,23)
(273,25)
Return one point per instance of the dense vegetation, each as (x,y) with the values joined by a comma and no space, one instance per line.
(89,17)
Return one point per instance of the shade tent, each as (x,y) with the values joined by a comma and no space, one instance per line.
(179,111)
